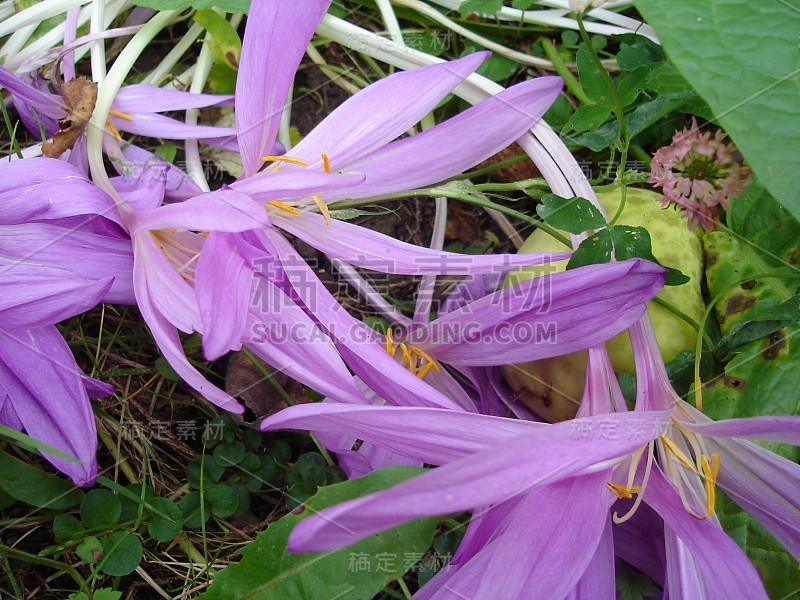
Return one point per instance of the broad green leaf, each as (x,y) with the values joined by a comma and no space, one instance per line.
(762,378)
(592,79)
(635,242)
(574,215)
(778,570)
(268,571)
(743,58)
(587,118)
(35,486)
(593,250)
(225,43)
(632,84)
(101,594)
(100,509)
(221,500)
(67,528)
(231,6)
(165,529)
(90,549)
(122,553)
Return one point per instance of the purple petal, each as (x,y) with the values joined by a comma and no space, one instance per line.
(783,429)
(271,185)
(275,39)
(286,338)
(166,336)
(47,188)
(159,126)
(441,152)
(543,317)
(726,571)
(378,252)
(425,434)
(177,180)
(222,284)
(31,298)
(493,475)
(46,389)
(223,210)
(539,557)
(143,98)
(381,112)
(40,247)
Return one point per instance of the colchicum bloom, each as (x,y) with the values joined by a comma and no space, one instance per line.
(58,258)
(699,173)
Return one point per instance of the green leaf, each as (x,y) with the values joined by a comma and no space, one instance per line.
(635,242)
(226,44)
(781,316)
(750,79)
(90,549)
(640,53)
(165,529)
(311,467)
(596,249)
(167,150)
(32,444)
(632,84)
(222,79)
(221,500)
(67,528)
(194,512)
(203,471)
(122,553)
(231,6)
(524,4)
(229,454)
(480,7)
(100,509)
(592,80)
(35,486)
(574,215)
(498,68)
(587,118)
(778,570)
(640,118)
(165,370)
(101,594)
(762,377)
(268,571)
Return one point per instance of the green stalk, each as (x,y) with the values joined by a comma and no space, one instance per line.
(562,69)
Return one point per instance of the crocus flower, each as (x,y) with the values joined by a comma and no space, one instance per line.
(699,173)
(57,260)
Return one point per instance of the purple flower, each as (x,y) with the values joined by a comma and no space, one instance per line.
(58,258)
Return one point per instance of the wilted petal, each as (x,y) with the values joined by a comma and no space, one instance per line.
(45,386)
(493,475)
(275,40)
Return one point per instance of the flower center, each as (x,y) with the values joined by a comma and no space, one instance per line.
(318,201)
(417,361)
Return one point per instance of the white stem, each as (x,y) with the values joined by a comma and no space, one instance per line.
(96,129)
(284,127)
(432,13)
(390,20)
(16,42)
(194,164)
(98,52)
(370,294)
(427,285)
(174,56)
(36,14)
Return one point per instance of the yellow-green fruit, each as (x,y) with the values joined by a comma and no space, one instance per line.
(553,395)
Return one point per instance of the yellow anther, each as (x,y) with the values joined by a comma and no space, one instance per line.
(710,470)
(326,163)
(390,349)
(679,454)
(286,159)
(407,357)
(428,366)
(323,208)
(287,207)
(113,130)
(624,492)
(121,115)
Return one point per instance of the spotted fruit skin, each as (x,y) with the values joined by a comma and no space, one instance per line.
(553,388)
